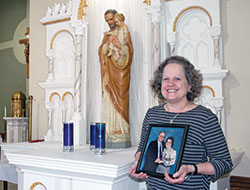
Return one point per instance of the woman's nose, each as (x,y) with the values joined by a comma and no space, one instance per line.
(170,82)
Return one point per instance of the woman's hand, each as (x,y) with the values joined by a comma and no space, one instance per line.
(180,175)
(132,173)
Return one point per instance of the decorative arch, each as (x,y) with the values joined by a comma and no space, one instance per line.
(189,8)
(36,184)
(58,32)
(66,93)
(211,89)
(53,94)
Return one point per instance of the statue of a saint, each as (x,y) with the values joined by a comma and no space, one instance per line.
(115,55)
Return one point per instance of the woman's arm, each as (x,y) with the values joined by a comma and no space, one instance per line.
(132,170)
(140,147)
(180,176)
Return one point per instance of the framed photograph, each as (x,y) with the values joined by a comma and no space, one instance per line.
(162,150)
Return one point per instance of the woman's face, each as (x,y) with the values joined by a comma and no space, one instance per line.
(174,87)
(169,143)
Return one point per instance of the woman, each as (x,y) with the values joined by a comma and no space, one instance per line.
(168,157)
(206,156)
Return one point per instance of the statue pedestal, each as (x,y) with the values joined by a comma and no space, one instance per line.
(17,129)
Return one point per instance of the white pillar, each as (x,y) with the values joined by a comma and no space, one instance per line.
(50,54)
(154,10)
(216,35)
(50,134)
(79,124)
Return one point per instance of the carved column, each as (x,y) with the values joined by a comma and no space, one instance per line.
(218,106)
(50,53)
(154,10)
(50,134)
(172,42)
(216,35)
(79,26)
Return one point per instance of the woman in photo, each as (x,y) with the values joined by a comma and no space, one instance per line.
(168,157)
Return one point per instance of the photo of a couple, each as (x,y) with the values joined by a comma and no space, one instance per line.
(160,155)
(163,149)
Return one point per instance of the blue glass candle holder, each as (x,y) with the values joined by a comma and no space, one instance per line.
(100,138)
(92,136)
(68,137)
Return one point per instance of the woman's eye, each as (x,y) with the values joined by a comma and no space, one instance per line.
(166,78)
(178,78)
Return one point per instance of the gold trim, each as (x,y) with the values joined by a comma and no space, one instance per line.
(187,9)
(148,2)
(54,93)
(53,38)
(81,12)
(32,187)
(63,96)
(57,21)
(210,88)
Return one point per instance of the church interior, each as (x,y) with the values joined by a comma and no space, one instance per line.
(46,45)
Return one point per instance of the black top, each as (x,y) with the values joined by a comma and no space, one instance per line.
(205,141)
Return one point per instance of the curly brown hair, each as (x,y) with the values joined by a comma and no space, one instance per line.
(193,76)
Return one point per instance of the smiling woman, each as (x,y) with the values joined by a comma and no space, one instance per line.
(178,83)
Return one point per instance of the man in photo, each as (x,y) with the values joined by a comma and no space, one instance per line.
(154,152)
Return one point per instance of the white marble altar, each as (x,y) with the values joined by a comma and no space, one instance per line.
(65,87)
(47,166)
(17,129)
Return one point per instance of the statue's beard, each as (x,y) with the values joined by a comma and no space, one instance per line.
(113,26)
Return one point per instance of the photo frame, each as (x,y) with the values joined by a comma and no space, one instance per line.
(158,158)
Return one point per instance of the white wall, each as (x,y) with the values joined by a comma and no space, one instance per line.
(236,27)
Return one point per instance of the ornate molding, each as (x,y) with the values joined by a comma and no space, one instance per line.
(211,89)
(34,185)
(154,9)
(65,94)
(50,53)
(81,13)
(60,31)
(56,21)
(148,2)
(58,12)
(189,8)
(215,31)
(53,94)
(79,25)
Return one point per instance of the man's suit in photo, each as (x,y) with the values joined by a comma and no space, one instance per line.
(151,156)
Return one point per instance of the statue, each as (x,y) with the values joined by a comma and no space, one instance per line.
(115,54)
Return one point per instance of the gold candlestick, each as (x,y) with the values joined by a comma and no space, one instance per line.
(30,117)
